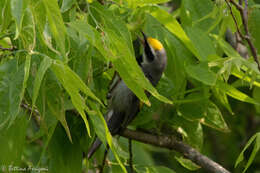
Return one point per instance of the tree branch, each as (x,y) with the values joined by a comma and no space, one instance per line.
(244,16)
(163,141)
(171,143)
(7,49)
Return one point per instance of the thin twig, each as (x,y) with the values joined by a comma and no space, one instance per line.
(104,160)
(238,6)
(130,155)
(171,143)
(244,16)
(234,19)
(34,112)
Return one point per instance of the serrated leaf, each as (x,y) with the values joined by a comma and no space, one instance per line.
(191,131)
(214,118)
(222,97)
(186,163)
(55,102)
(235,93)
(74,86)
(45,64)
(56,24)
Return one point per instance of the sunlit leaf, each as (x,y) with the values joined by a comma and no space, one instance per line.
(56,24)
(235,93)
(74,85)
(256,148)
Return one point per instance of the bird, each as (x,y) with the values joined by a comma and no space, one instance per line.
(123,104)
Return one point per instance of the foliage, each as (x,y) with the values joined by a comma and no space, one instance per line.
(55,58)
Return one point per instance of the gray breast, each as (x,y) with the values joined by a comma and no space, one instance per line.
(122,97)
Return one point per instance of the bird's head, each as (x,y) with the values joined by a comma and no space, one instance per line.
(154,53)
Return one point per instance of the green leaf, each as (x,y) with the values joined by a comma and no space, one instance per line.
(13,140)
(201,41)
(197,12)
(74,86)
(194,106)
(191,131)
(45,64)
(256,148)
(245,77)
(26,75)
(256,96)
(65,157)
(214,118)
(6,17)
(235,93)
(56,25)
(222,97)
(254,25)
(136,3)
(202,73)
(55,101)
(66,5)
(28,33)
(39,14)
(235,57)
(11,83)
(186,163)
(17,9)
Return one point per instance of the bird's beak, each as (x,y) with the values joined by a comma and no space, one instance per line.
(145,38)
(144,41)
(147,48)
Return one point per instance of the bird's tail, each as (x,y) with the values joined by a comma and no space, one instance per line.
(94,147)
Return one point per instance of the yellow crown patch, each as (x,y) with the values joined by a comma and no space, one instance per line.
(156,44)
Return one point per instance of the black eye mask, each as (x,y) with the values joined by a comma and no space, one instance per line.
(148,52)
(147,49)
